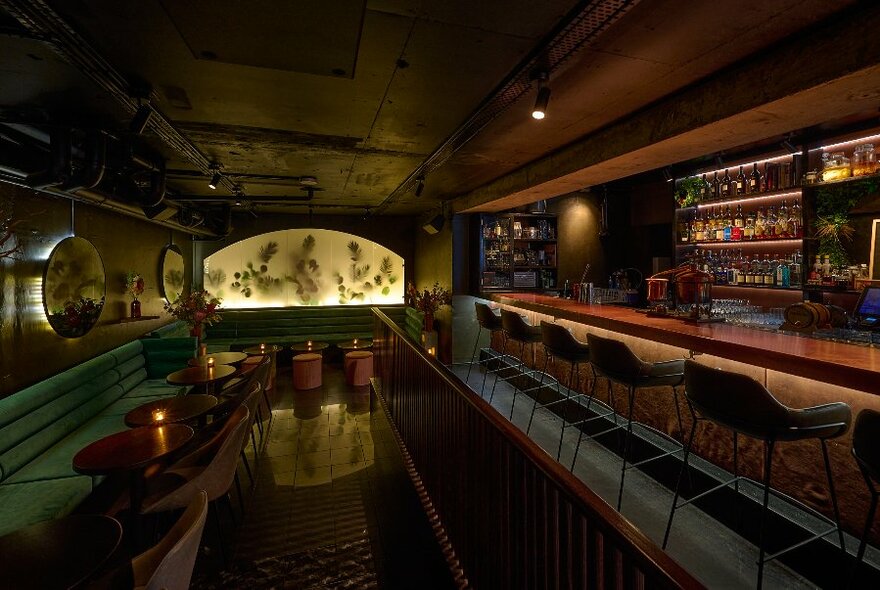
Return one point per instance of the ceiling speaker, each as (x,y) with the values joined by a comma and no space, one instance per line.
(435,225)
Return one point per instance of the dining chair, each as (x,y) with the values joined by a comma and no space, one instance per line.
(210,468)
(169,564)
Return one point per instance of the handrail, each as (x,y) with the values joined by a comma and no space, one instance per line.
(513,515)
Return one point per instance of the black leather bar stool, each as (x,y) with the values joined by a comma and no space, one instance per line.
(744,406)
(488,320)
(517,329)
(615,361)
(560,344)
(866,450)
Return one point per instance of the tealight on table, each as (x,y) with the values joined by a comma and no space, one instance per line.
(171,410)
(220,358)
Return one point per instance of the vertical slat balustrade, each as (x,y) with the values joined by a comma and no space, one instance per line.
(514,517)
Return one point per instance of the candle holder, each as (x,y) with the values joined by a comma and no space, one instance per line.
(210,362)
(158,416)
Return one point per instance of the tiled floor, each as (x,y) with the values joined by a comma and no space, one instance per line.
(332,506)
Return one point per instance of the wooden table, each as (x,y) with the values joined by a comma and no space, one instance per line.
(174,410)
(59,553)
(264,349)
(220,358)
(201,376)
(132,451)
(352,345)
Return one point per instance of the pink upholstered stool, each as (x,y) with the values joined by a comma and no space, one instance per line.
(358,367)
(307,371)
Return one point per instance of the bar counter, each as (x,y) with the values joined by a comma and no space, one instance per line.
(847,365)
(800,372)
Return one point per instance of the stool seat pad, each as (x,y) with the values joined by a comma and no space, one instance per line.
(517,329)
(358,354)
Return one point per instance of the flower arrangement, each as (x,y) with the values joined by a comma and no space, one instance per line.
(77,316)
(134,284)
(428,301)
(196,309)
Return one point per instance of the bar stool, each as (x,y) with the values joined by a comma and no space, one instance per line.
(560,344)
(744,406)
(487,320)
(515,328)
(866,450)
(614,360)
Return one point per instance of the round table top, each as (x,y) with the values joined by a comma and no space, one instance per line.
(60,553)
(352,345)
(131,449)
(220,358)
(200,375)
(256,350)
(306,347)
(175,409)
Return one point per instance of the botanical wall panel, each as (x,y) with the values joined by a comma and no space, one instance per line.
(304,267)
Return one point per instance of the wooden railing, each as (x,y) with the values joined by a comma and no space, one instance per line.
(514,517)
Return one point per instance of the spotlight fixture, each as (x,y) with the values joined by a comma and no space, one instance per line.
(420,185)
(435,225)
(719,162)
(540,110)
(141,119)
(216,178)
(789,147)
(667,174)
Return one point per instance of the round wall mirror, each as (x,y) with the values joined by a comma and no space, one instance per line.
(73,287)
(171,269)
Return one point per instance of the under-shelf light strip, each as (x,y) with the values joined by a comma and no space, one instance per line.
(836,146)
(755,199)
(762,243)
(745,165)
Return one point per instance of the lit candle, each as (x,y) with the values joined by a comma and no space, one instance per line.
(210,362)
(262,348)
(158,415)
(309,343)
(431,351)
(355,342)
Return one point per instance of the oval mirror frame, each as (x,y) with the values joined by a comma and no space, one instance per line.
(172,273)
(74,287)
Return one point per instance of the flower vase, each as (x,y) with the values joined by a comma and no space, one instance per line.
(135,309)
(429,321)
(196,332)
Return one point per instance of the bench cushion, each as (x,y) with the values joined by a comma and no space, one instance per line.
(166,355)
(33,502)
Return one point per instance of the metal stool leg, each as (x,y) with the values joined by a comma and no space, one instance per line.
(832,493)
(474,353)
(768,463)
(565,410)
(872,511)
(520,368)
(684,467)
(500,360)
(535,405)
(629,428)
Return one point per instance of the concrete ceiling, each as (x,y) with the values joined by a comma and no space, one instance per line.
(359,93)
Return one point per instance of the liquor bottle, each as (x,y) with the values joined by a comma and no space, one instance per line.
(755,179)
(705,189)
(740,182)
(783,274)
(684,231)
(795,221)
(719,226)
(728,226)
(698,235)
(782,227)
(743,271)
(770,224)
(749,229)
(768,179)
(767,275)
(794,270)
(707,227)
(760,224)
(716,187)
(739,220)
(725,184)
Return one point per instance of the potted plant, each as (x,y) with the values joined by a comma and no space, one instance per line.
(428,301)
(198,309)
(134,286)
(688,192)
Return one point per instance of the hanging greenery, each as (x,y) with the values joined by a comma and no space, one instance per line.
(688,192)
(833,205)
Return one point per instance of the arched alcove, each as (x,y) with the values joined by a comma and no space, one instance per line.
(304,267)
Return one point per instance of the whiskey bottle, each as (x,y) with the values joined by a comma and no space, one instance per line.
(705,189)
(749,228)
(760,224)
(755,179)
(719,226)
(725,184)
(782,226)
(740,182)
(795,221)
(716,186)
(770,224)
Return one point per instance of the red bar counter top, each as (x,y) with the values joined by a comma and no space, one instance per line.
(847,365)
